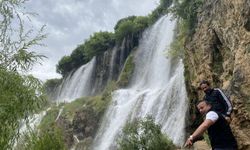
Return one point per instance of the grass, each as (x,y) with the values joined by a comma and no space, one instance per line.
(126,72)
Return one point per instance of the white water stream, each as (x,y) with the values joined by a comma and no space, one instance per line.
(157,89)
(77,84)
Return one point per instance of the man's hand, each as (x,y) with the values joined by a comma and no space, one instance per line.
(189,142)
(228,119)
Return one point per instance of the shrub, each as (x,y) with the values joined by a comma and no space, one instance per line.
(98,43)
(77,56)
(177,46)
(49,119)
(187,10)
(126,72)
(95,45)
(52,83)
(130,27)
(50,140)
(143,134)
(64,65)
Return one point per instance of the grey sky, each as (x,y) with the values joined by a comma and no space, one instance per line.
(70,22)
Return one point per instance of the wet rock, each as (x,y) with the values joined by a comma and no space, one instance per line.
(85,123)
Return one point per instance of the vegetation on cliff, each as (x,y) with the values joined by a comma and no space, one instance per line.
(95,45)
(186,14)
(143,134)
(127,72)
(49,140)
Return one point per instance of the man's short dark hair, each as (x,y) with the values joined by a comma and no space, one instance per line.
(204,82)
(207,102)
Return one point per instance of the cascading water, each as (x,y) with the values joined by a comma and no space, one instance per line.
(112,62)
(77,84)
(34,121)
(156,89)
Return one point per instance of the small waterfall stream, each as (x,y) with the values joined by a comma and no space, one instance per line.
(157,89)
(77,84)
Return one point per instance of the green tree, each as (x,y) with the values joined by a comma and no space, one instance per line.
(187,10)
(20,95)
(98,43)
(162,9)
(47,140)
(95,45)
(64,66)
(143,134)
(125,29)
(166,3)
(75,60)
(130,27)
(77,56)
(186,13)
(129,18)
(15,42)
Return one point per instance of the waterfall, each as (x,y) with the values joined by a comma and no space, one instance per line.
(156,89)
(77,84)
(112,63)
(33,122)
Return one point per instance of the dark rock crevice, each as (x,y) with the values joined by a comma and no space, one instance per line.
(217,59)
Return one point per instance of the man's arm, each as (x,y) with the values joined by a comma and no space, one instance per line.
(211,118)
(226,102)
(199,131)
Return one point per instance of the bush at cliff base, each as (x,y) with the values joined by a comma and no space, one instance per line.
(143,134)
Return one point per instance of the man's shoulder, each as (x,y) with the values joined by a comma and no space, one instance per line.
(212,115)
(217,91)
(212,112)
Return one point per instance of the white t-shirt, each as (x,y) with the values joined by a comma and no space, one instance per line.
(211,115)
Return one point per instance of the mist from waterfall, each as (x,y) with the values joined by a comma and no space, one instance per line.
(157,88)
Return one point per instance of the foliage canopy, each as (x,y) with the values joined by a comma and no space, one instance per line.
(95,45)
(144,134)
(98,43)
(20,95)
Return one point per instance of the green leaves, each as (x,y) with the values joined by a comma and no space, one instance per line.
(64,65)
(130,26)
(144,135)
(47,140)
(126,72)
(15,39)
(95,45)
(98,43)
(20,95)
(187,10)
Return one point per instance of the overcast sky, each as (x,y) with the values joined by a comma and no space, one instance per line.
(70,22)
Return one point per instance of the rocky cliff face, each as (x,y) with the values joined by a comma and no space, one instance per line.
(109,65)
(219,51)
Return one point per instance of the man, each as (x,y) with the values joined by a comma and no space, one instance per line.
(219,131)
(218,99)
